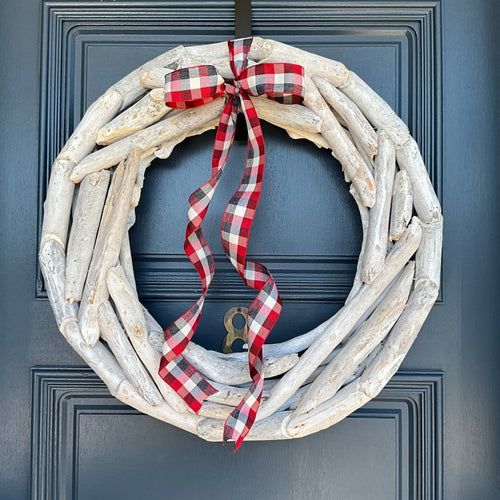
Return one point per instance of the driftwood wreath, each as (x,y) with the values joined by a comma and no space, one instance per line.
(312,381)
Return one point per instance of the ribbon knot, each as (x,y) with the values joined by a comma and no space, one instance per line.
(192,87)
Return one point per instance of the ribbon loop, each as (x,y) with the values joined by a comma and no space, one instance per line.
(281,82)
(192,87)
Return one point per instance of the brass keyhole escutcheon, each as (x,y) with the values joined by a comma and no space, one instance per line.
(234,333)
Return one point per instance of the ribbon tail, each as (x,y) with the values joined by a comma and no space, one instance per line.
(174,369)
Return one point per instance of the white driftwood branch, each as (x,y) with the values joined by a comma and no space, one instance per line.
(152,136)
(126,262)
(116,338)
(343,321)
(371,333)
(150,109)
(352,117)
(292,116)
(155,78)
(364,214)
(57,206)
(232,371)
(53,265)
(347,400)
(333,71)
(86,218)
(270,429)
(378,226)
(133,320)
(424,198)
(222,368)
(402,205)
(399,341)
(84,138)
(316,139)
(428,257)
(342,147)
(130,88)
(108,244)
(215,52)
(373,107)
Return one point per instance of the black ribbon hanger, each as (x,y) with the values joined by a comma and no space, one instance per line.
(242,29)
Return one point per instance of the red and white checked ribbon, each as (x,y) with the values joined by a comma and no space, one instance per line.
(196,86)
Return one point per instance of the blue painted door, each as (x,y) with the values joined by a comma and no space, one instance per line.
(432,432)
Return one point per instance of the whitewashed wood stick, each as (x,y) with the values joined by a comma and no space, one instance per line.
(231,395)
(317,139)
(86,218)
(103,363)
(295,399)
(215,52)
(232,371)
(53,266)
(57,205)
(362,153)
(378,226)
(424,197)
(108,244)
(117,340)
(226,370)
(166,130)
(367,313)
(333,71)
(428,257)
(126,262)
(296,345)
(125,256)
(347,400)
(399,341)
(155,78)
(342,147)
(371,333)
(165,149)
(364,214)
(221,368)
(130,86)
(295,119)
(343,321)
(402,205)
(150,109)
(373,107)
(186,421)
(134,322)
(215,410)
(270,429)
(269,383)
(222,66)
(98,358)
(83,139)
(293,116)
(355,121)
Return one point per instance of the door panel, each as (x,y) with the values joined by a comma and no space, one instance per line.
(432,431)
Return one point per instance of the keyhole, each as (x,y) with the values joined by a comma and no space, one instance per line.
(235,322)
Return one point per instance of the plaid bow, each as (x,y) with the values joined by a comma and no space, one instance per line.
(196,86)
